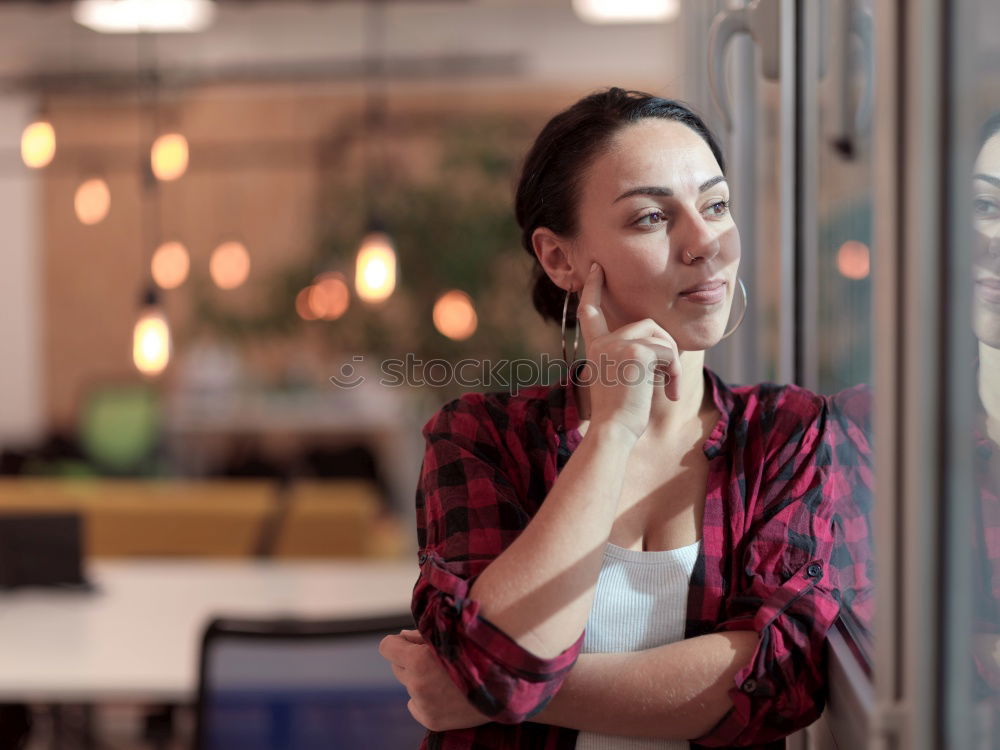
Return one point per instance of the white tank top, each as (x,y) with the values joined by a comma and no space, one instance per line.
(640,603)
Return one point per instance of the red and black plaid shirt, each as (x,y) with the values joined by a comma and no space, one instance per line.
(986,546)
(785,539)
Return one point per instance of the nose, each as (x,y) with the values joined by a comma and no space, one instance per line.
(694,238)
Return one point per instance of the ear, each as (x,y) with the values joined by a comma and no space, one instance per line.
(556,255)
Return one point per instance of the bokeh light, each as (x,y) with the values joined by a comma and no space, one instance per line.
(854,260)
(92,201)
(302,306)
(169,156)
(151,342)
(454,315)
(375,276)
(229,265)
(329,296)
(170,266)
(38,144)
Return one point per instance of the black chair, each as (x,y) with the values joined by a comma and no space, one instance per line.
(301,685)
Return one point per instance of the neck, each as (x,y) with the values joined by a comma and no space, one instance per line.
(989,388)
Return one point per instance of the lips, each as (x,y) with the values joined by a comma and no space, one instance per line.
(705,286)
(988,290)
(709,293)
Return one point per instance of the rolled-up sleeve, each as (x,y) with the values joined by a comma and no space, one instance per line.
(789,589)
(468,512)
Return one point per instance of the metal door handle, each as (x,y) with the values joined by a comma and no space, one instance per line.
(761,19)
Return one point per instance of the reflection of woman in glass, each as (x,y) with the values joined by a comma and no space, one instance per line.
(986,324)
(644,555)
(986,273)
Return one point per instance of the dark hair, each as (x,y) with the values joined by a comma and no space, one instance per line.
(548,192)
(990,128)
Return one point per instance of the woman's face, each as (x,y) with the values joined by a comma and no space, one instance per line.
(653,197)
(986,262)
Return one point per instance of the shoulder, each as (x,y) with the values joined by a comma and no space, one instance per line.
(779,414)
(496,413)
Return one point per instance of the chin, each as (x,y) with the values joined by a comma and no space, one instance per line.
(986,325)
(700,339)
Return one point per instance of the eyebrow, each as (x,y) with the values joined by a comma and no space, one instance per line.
(994,181)
(666,192)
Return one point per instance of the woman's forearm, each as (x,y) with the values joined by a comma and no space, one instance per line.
(539,591)
(678,691)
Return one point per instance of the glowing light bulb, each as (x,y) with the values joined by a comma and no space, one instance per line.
(375,274)
(454,315)
(92,201)
(229,265)
(854,260)
(150,16)
(169,156)
(38,144)
(627,11)
(170,265)
(151,341)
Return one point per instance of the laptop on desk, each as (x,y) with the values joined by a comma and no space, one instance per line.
(41,549)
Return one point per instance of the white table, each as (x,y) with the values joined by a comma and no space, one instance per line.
(137,639)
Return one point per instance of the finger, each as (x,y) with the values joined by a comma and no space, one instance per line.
(396,649)
(413,636)
(666,369)
(646,328)
(400,674)
(589,314)
(416,713)
(672,377)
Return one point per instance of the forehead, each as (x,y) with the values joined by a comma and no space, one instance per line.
(988,161)
(653,152)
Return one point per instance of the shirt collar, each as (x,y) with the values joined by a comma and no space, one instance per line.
(566,417)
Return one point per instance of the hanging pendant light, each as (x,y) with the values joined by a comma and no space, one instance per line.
(151,341)
(169,157)
(375,270)
(38,144)
(151,344)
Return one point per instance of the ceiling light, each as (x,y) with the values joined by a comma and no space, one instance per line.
(627,11)
(153,16)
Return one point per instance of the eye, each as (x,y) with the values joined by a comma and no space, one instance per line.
(652,219)
(718,209)
(985,208)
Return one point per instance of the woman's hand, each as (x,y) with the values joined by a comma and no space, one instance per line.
(435,701)
(625,365)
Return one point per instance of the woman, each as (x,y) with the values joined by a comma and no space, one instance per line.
(986,325)
(641,556)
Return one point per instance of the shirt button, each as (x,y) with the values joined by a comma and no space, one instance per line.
(421,558)
(815,570)
(749,686)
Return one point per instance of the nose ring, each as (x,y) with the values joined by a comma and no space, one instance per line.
(691,258)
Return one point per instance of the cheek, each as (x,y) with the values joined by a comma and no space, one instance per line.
(729,244)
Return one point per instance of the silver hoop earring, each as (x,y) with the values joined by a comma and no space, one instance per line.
(743,312)
(576,338)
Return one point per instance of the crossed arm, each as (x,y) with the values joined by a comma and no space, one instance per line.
(677,691)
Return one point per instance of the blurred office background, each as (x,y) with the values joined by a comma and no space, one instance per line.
(209,209)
